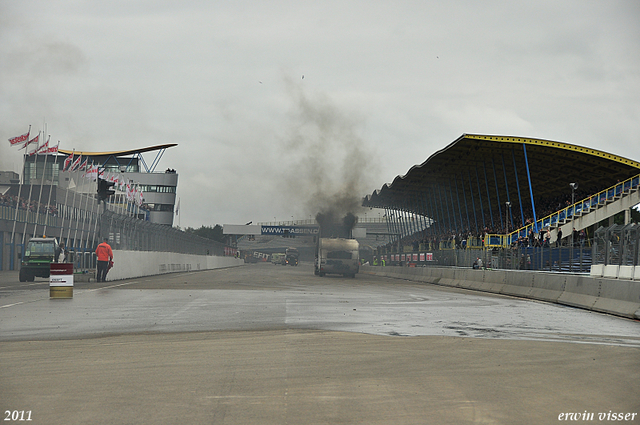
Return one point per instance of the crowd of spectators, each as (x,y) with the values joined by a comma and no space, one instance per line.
(25,204)
(546,207)
(430,239)
(35,206)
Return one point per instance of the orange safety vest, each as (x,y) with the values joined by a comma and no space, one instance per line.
(104,252)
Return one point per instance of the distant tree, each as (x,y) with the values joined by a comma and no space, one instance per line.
(209,232)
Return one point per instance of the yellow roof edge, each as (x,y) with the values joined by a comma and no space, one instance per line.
(119,153)
(559,145)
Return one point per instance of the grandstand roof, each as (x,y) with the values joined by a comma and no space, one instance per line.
(481,172)
(121,153)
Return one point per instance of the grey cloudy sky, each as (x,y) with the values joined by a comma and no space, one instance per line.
(386,84)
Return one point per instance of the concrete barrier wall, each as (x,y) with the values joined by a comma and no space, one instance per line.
(619,297)
(547,287)
(517,283)
(613,296)
(129,264)
(581,291)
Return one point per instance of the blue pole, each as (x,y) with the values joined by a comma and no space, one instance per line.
(533,206)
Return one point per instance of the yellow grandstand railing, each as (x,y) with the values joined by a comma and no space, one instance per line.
(495,241)
(588,204)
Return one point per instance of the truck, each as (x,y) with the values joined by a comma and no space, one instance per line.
(38,254)
(292,256)
(337,256)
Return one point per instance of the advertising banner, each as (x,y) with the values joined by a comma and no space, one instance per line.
(290,230)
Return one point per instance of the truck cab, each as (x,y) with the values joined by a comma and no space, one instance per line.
(292,256)
(38,254)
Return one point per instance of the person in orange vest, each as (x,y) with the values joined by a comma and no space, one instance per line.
(105,256)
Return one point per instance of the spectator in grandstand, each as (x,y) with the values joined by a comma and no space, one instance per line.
(559,237)
(547,238)
(532,237)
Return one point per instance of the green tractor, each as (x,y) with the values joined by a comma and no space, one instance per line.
(38,254)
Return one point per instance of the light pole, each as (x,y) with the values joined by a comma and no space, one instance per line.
(506,218)
(574,186)
(508,205)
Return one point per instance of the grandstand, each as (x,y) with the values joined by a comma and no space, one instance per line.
(485,191)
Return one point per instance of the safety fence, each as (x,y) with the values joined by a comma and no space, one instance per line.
(81,237)
(573,258)
(617,245)
(128,233)
(28,216)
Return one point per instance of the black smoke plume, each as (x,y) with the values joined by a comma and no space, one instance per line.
(329,164)
(331,226)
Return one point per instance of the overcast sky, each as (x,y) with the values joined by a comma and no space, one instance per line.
(280,106)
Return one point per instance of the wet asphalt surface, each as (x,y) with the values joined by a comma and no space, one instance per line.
(264,344)
(267,297)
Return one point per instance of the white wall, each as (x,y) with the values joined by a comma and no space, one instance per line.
(128,264)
